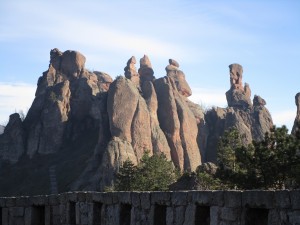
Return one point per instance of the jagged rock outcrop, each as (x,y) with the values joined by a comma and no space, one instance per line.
(146,72)
(131,73)
(178,123)
(86,124)
(296,126)
(12,140)
(251,120)
(179,77)
(238,96)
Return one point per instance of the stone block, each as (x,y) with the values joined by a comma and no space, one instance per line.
(2,202)
(81,196)
(274,217)
(214,215)
(201,197)
(124,197)
(62,199)
(179,198)
(97,197)
(258,199)
(48,215)
(294,217)
(71,196)
(54,199)
(27,217)
(38,200)
(295,199)
(217,198)
(145,200)
(135,199)
(230,214)
(162,198)
(10,202)
(282,199)
(179,214)
(22,201)
(190,214)
(233,199)
(107,198)
(5,215)
(16,211)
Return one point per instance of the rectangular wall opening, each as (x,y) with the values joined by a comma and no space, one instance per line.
(256,216)
(202,215)
(97,213)
(72,213)
(160,214)
(125,214)
(38,215)
(0,216)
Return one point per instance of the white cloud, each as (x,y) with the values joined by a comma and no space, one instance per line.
(285,117)
(209,97)
(13,98)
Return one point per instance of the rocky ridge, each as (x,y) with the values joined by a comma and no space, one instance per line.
(121,119)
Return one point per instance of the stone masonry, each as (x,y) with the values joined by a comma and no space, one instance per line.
(154,208)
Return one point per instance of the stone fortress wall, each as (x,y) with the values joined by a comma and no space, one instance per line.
(154,208)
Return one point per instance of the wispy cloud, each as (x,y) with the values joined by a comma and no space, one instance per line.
(209,97)
(68,27)
(13,98)
(285,117)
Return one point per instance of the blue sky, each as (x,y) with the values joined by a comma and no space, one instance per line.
(203,36)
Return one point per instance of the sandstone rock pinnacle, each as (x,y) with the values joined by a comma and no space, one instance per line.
(238,96)
(179,77)
(146,72)
(131,73)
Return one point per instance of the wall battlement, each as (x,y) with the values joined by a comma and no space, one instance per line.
(154,208)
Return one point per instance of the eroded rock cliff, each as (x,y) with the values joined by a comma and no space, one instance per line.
(252,120)
(86,124)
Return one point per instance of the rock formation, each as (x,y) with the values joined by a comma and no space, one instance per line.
(131,73)
(12,140)
(252,120)
(146,72)
(86,124)
(179,78)
(296,125)
(238,96)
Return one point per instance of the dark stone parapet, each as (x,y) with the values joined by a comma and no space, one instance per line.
(182,207)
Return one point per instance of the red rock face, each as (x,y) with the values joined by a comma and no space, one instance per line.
(236,76)
(237,95)
(178,123)
(179,77)
(126,117)
(146,72)
(131,73)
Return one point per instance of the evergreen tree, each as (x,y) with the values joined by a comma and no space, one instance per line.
(153,173)
(126,177)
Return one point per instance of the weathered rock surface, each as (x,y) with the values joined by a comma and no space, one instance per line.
(178,123)
(179,77)
(12,140)
(251,120)
(296,125)
(238,96)
(86,124)
(146,72)
(131,73)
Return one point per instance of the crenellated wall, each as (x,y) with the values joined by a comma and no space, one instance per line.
(154,208)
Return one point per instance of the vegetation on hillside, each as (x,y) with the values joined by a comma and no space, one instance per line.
(273,163)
